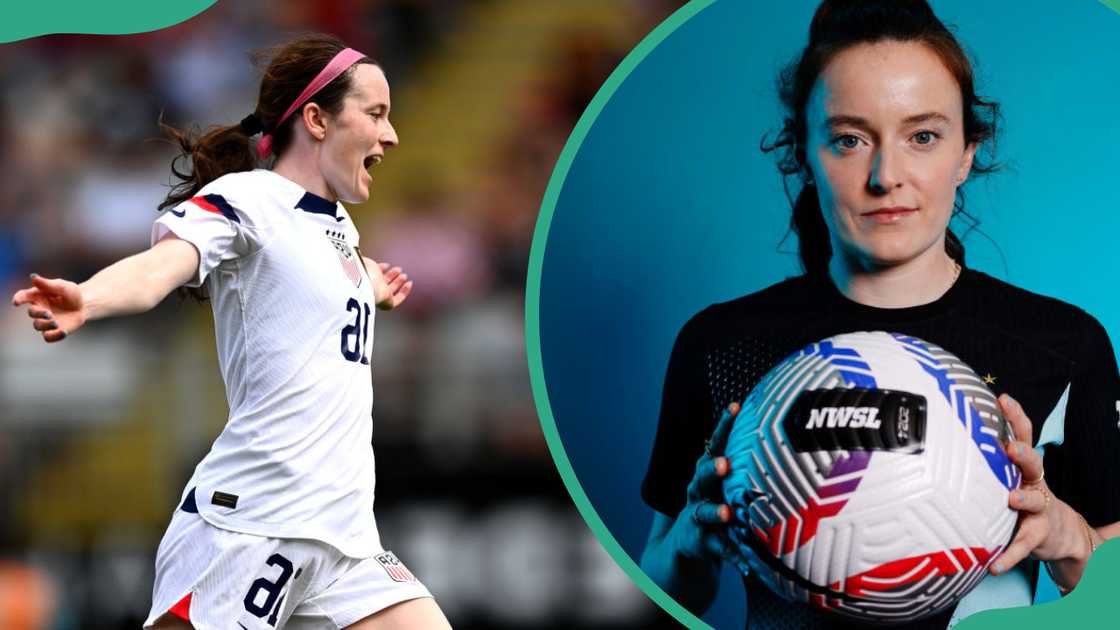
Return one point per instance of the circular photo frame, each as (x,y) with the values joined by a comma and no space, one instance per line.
(662,203)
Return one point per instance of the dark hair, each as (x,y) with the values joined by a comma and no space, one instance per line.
(836,26)
(221,150)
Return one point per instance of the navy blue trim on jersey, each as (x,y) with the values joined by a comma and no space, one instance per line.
(223,206)
(189,504)
(310,202)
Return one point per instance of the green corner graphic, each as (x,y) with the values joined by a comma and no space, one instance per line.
(533,323)
(1089,606)
(122,17)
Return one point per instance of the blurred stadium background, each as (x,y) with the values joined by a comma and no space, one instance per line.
(99,434)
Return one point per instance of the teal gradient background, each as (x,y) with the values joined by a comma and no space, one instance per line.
(670,206)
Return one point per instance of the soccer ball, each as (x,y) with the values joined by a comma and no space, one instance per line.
(868,478)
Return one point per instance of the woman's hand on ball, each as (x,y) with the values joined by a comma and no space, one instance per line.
(700,527)
(1048,528)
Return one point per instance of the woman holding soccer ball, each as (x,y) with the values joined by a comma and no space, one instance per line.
(883,127)
(275,528)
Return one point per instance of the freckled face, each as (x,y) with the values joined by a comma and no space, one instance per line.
(886,148)
(357,137)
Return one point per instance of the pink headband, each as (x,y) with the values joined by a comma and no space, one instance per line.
(337,66)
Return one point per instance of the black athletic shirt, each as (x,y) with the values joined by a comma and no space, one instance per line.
(1034,347)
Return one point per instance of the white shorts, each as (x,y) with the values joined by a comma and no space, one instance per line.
(227,579)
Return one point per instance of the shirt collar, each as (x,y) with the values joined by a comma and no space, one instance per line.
(310,202)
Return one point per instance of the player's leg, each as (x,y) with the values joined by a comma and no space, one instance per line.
(415,614)
(369,593)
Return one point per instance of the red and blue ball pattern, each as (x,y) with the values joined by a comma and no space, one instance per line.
(879,536)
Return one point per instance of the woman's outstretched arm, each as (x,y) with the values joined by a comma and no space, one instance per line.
(132,285)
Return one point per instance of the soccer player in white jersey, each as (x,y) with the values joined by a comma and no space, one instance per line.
(275,529)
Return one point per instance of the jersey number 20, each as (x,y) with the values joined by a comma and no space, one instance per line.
(355,336)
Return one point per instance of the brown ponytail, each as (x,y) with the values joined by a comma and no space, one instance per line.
(207,157)
(814,244)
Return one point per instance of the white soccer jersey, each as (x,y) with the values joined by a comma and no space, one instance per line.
(293,315)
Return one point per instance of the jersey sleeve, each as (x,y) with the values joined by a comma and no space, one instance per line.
(685,422)
(1079,469)
(219,222)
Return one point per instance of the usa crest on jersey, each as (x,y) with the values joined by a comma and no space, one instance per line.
(346,256)
(395,568)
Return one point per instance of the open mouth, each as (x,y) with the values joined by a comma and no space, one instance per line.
(371,160)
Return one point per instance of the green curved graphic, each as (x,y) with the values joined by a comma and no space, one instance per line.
(122,17)
(532,312)
(1087,607)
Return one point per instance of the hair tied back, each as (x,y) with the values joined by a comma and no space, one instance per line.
(251,125)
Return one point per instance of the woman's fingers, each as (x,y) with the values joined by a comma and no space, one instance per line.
(401,294)
(406,290)
(1028,499)
(43,325)
(711,468)
(398,282)
(44,294)
(48,287)
(391,274)
(1031,533)
(40,291)
(1028,460)
(705,490)
(27,296)
(52,336)
(1019,449)
(1015,415)
(711,483)
(399,290)
(707,514)
(723,429)
(707,478)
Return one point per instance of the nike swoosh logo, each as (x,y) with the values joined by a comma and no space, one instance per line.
(183,213)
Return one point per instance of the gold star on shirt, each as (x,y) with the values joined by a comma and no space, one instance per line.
(989,379)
